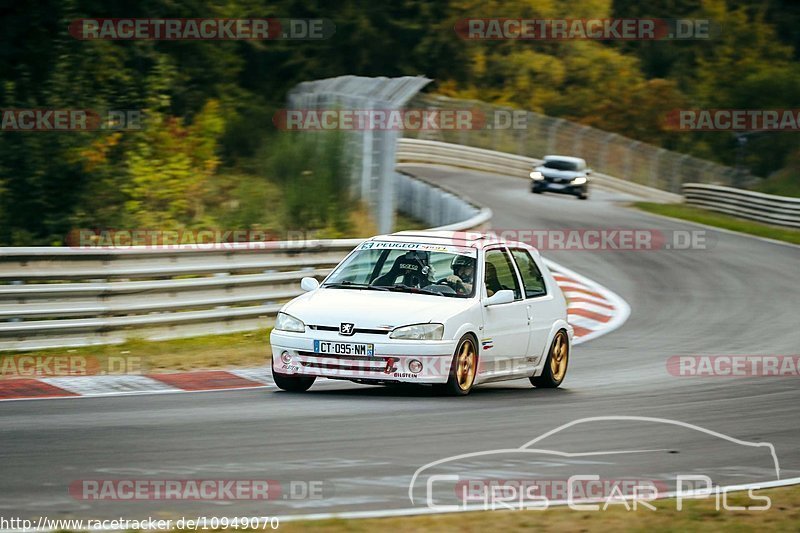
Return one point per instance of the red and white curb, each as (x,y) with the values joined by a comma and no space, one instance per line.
(593,311)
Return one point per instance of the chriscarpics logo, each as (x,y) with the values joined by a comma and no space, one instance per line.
(563,467)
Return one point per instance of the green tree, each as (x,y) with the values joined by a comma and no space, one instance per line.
(170,167)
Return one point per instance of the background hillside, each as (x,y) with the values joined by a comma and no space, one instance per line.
(209,155)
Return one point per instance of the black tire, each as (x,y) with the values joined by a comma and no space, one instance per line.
(292,383)
(536,191)
(552,377)
(583,196)
(459,383)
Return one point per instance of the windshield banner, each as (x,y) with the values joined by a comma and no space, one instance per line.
(424,247)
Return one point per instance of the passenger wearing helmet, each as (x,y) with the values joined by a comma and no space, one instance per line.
(463,274)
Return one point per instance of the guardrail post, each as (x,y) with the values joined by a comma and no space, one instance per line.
(577,141)
(552,132)
(677,178)
(629,161)
(366,160)
(654,165)
(522,142)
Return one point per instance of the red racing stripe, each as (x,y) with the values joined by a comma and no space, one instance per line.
(204,380)
(588,301)
(583,291)
(30,388)
(565,279)
(588,314)
(580,332)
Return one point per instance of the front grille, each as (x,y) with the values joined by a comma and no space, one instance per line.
(342,357)
(333,366)
(355,330)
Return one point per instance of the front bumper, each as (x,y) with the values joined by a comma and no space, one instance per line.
(293,354)
(563,188)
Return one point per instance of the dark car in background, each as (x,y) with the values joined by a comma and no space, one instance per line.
(561,174)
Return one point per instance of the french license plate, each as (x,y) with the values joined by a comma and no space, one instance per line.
(343,348)
(557,186)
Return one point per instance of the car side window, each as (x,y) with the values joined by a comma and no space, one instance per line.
(499,274)
(532,277)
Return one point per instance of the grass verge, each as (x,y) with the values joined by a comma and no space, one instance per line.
(246,349)
(720,220)
(697,515)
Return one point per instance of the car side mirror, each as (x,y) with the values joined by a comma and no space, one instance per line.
(309,284)
(505,296)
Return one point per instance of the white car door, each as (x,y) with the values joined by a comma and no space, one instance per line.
(504,343)
(539,304)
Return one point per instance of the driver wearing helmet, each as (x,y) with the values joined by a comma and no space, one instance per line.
(463,274)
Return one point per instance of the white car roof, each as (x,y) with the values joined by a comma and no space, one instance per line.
(469,239)
(576,160)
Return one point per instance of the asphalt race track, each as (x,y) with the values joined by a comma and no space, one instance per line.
(362,445)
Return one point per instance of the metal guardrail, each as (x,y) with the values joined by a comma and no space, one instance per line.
(62,297)
(777,210)
(438,206)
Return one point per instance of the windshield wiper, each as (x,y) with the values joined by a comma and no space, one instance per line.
(405,288)
(351,285)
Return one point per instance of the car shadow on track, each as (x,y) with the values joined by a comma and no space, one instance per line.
(489,391)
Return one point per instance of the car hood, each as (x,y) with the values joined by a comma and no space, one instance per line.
(561,174)
(373,309)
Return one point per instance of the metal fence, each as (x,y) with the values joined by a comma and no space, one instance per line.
(771,209)
(608,153)
(371,151)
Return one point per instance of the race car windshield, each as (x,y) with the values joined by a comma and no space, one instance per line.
(561,165)
(438,273)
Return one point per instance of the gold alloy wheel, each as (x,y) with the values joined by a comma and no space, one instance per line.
(465,365)
(559,356)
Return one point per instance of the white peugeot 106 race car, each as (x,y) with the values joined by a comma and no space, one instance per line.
(443,308)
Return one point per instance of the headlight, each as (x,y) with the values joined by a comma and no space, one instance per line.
(580,180)
(536,176)
(420,332)
(286,322)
